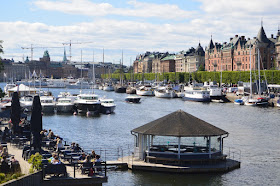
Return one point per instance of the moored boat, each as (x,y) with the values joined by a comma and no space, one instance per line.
(146,90)
(88,104)
(48,104)
(164,92)
(198,94)
(107,106)
(133,99)
(64,105)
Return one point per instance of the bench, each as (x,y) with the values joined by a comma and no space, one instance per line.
(55,169)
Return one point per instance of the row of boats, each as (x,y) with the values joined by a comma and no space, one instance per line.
(194,92)
(84,103)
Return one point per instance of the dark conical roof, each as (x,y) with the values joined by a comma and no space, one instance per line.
(179,124)
(199,49)
(211,45)
(262,36)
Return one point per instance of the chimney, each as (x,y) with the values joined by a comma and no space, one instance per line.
(236,35)
(230,38)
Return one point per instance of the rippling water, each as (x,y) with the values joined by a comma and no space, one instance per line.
(253,130)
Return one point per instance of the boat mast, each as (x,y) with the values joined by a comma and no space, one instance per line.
(259,90)
(81,69)
(250,73)
(93,73)
(122,70)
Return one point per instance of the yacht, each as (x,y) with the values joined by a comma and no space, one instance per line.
(48,104)
(131,90)
(65,105)
(107,106)
(88,104)
(26,103)
(108,87)
(146,90)
(199,94)
(216,93)
(120,88)
(133,99)
(165,92)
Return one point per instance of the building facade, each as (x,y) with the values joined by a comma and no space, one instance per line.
(237,54)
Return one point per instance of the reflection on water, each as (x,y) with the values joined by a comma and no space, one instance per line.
(253,130)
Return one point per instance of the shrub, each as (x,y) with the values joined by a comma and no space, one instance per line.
(36,161)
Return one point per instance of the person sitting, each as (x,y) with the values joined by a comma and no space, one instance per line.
(5,152)
(51,158)
(87,164)
(97,163)
(73,145)
(92,156)
(5,168)
(82,157)
(56,160)
(77,148)
(15,167)
(51,135)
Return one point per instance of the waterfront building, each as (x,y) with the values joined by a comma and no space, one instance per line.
(190,60)
(168,63)
(235,55)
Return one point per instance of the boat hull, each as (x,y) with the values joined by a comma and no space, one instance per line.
(64,108)
(207,99)
(107,109)
(120,89)
(133,100)
(145,92)
(84,108)
(164,94)
(48,108)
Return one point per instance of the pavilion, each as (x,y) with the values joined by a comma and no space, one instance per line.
(179,138)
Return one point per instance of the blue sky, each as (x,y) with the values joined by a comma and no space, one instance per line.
(134,26)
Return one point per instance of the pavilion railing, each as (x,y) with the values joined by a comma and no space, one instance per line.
(233,153)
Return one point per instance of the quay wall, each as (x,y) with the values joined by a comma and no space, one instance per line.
(31,179)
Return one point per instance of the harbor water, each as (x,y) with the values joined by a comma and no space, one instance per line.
(252,130)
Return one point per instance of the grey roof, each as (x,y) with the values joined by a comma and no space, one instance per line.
(179,124)
(199,50)
(262,36)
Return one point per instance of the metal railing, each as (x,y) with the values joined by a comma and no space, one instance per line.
(233,153)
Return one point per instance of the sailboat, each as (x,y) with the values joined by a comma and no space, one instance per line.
(255,100)
(88,103)
(120,88)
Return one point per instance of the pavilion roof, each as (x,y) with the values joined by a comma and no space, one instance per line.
(179,124)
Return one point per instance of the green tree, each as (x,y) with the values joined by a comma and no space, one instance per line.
(201,68)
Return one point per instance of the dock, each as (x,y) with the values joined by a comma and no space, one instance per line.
(135,164)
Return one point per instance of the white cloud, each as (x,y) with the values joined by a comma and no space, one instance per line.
(138,9)
(222,19)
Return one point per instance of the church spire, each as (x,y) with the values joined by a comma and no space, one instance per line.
(64,56)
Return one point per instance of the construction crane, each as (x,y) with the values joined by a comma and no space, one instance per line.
(70,45)
(31,49)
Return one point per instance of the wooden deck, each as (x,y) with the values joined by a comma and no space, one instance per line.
(135,164)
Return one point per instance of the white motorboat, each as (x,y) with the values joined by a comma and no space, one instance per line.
(199,94)
(48,104)
(65,105)
(146,90)
(26,103)
(88,104)
(108,87)
(107,106)
(216,93)
(164,92)
(6,103)
(9,86)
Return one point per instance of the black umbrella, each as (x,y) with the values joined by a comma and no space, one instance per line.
(15,113)
(36,123)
